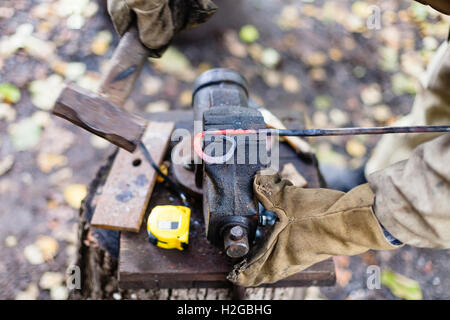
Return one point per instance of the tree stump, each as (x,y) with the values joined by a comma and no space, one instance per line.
(98,252)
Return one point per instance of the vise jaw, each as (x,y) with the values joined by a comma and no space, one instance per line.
(220,101)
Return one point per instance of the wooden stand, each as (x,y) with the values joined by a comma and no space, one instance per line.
(113,262)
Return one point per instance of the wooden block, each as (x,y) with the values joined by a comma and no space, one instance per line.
(130,182)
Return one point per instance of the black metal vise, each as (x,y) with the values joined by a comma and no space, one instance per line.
(220,101)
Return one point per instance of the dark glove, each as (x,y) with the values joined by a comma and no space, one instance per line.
(313,225)
(159,20)
(439,5)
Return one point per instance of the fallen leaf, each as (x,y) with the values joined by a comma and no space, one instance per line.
(289,17)
(9,93)
(270,58)
(338,117)
(59,292)
(61,176)
(25,134)
(359,71)
(7,112)
(33,254)
(6,164)
(381,113)
(117,296)
(392,37)
(101,42)
(430,43)
(318,74)
(48,247)
(51,279)
(158,106)
(402,84)
(249,33)
(55,139)
(320,119)
(389,59)
(151,85)
(30,293)
(234,46)
(11,241)
(185,98)
(355,148)
(291,84)
(75,21)
(89,81)
(45,92)
(203,67)
(74,194)
(325,154)
(418,11)
(322,102)
(48,161)
(316,59)
(371,94)
(175,62)
(39,49)
(74,70)
(272,78)
(255,50)
(361,9)
(401,286)
(335,54)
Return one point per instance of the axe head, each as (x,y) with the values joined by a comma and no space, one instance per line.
(96,114)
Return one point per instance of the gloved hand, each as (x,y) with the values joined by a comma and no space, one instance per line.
(159,20)
(313,225)
(439,5)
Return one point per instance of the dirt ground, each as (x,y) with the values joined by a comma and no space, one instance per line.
(315,57)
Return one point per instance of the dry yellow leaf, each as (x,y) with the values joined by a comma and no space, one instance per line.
(316,59)
(355,148)
(185,98)
(48,247)
(291,84)
(335,54)
(48,161)
(100,45)
(318,74)
(74,194)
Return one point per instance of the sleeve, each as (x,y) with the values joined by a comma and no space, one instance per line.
(412,197)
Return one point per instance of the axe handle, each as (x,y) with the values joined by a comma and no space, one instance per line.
(124,68)
(102,113)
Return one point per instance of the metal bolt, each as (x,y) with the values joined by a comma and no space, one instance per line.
(236,242)
(236,233)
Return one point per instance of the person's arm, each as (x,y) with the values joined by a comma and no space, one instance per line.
(409,201)
(159,20)
(412,197)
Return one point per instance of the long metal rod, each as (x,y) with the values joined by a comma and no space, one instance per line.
(355,131)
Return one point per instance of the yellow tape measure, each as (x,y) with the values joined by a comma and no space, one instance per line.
(168,226)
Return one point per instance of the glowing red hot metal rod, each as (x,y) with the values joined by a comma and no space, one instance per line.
(316,132)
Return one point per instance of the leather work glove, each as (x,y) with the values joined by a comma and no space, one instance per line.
(159,20)
(439,5)
(313,225)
